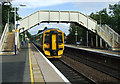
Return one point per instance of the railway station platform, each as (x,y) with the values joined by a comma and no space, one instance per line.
(15,68)
(30,66)
(101,51)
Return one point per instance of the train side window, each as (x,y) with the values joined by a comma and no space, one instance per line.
(60,39)
(41,37)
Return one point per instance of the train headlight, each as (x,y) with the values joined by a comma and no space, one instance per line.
(47,45)
(60,44)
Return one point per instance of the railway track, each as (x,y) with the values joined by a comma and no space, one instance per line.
(103,64)
(71,74)
(79,67)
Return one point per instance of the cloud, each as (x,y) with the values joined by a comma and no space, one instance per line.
(37,3)
(88,8)
(44,3)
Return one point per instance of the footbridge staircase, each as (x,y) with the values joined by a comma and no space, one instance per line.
(109,36)
(7,40)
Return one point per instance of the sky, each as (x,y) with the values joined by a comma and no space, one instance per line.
(86,7)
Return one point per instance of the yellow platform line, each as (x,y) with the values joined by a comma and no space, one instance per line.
(31,72)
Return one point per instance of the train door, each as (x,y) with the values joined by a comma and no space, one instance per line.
(54,43)
(54,36)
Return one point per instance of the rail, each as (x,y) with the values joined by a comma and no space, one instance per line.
(6,29)
(109,35)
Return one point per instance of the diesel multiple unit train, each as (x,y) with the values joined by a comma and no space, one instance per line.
(51,41)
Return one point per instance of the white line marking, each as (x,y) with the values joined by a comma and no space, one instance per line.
(57,71)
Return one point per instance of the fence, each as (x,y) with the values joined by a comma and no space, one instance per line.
(109,35)
(6,29)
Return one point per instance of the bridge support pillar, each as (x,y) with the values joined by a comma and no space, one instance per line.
(87,38)
(96,41)
(101,44)
(92,43)
(106,46)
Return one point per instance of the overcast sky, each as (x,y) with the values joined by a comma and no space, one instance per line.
(84,6)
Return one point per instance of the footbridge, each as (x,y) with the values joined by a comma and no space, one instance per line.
(58,16)
(104,32)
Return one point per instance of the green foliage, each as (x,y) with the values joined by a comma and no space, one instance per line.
(71,38)
(112,18)
(5,10)
(115,16)
(105,18)
(28,34)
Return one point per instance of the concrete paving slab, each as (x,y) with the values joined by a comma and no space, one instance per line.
(50,74)
(15,68)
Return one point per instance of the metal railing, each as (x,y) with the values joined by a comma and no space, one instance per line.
(6,29)
(109,35)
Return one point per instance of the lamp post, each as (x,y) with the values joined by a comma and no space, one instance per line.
(100,14)
(100,18)
(8,16)
(16,28)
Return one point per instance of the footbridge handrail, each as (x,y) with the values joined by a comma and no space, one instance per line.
(6,29)
(57,16)
(109,35)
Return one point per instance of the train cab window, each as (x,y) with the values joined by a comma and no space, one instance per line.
(60,38)
(47,38)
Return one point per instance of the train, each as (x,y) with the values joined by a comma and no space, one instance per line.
(51,42)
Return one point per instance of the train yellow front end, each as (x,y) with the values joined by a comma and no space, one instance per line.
(51,41)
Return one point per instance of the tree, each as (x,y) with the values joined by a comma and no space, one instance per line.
(101,15)
(115,16)
(5,10)
(71,36)
(81,34)
(112,19)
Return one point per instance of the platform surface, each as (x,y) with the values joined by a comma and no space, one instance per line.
(49,72)
(15,68)
(29,65)
(107,52)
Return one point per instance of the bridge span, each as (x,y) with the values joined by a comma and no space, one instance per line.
(57,16)
(104,32)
